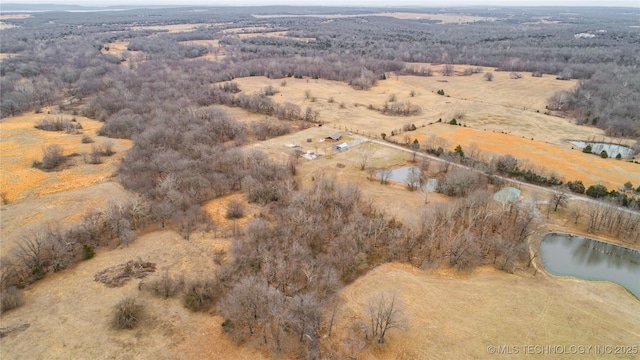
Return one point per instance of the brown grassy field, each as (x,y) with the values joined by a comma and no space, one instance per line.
(4,25)
(119,48)
(69,313)
(501,118)
(21,144)
(458,316)
(175,28)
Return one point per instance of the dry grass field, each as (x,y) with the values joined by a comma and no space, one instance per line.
(119,49)
(455,316)
(501,117)
(69,314)
(175,28)
(21,144)
(4,25)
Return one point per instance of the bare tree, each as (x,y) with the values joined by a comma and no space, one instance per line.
(576,212)
(384,176)
(413,178)
(447,70)
(365,153)
(385,313)
(52,156)
(559,197)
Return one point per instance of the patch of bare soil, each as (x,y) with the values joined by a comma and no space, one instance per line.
(458,316)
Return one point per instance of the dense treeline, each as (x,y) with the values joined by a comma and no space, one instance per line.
(608,100)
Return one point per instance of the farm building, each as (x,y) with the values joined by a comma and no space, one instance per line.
(507,195)
(341,147)
(334,137)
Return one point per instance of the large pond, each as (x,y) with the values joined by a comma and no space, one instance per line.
(590,259)
(402,175)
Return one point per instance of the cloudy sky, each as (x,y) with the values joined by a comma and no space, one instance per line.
(439,3)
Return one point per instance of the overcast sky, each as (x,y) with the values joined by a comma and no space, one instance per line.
(439,3)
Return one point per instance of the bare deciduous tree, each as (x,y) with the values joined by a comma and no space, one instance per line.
(384,175)
(559,197)
(364,153)
(447,70)
(52,156)
(385,312)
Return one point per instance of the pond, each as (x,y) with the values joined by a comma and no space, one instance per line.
(612,149)
(401,175)
(589,259)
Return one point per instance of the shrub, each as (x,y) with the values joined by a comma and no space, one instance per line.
(440,92)
(235,210)
(58,124)
(597,191)
(488,76)
(127,314)
(202,295)
(167,286)
(11,298)
(587,149)
(604,154)
(86,139)
(458,150)
(51,156)
(453,122)
(88,252)
(619,156)
(107,147)
(576,186)
(269,91)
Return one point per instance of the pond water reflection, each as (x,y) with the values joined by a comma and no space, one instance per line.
(590,259)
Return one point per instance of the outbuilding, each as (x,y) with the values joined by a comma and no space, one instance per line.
(341,147)
(334,137)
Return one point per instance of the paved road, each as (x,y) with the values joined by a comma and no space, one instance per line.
(506,179)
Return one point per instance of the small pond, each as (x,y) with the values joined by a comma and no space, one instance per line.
(589,259)
(401,175)
(612,149)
